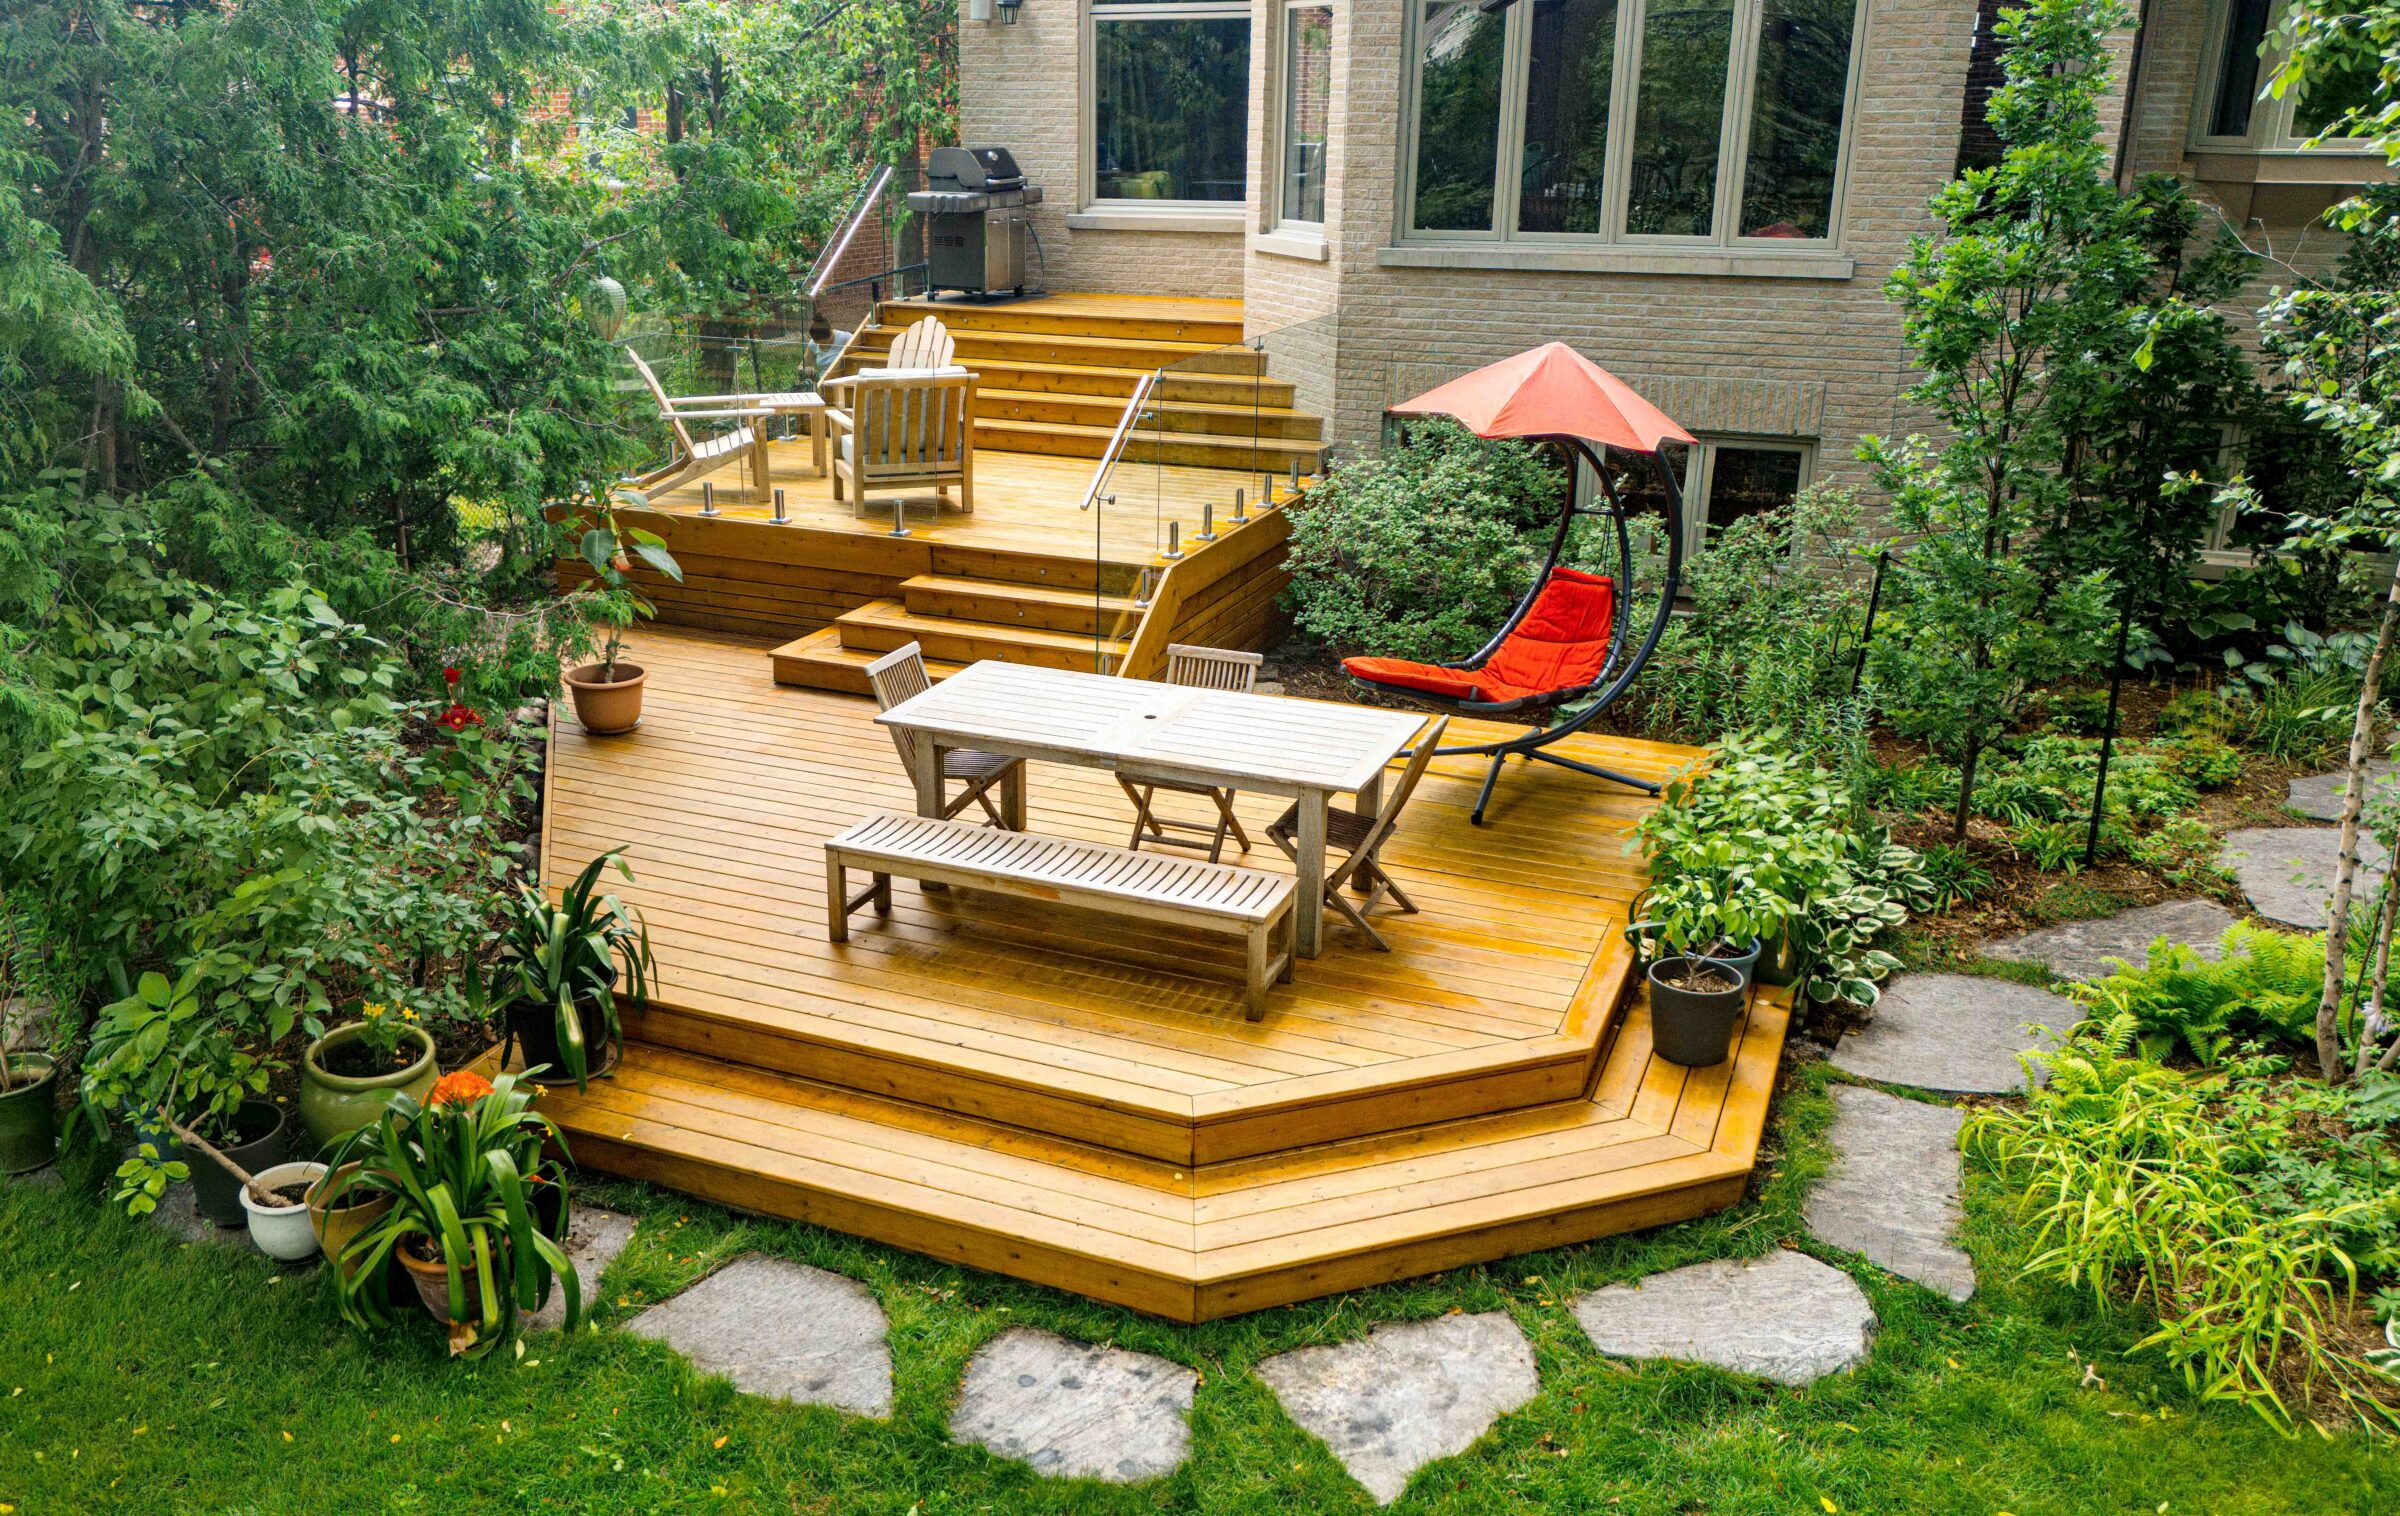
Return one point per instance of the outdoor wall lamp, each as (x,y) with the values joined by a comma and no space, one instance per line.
(1008,11)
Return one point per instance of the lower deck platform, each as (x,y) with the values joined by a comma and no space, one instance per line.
(1024,1089)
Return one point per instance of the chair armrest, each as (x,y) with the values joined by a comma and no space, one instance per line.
(747,414)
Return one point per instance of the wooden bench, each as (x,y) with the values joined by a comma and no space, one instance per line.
(1220,897)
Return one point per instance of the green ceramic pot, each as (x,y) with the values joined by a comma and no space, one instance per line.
(334,1105)
(28,1113)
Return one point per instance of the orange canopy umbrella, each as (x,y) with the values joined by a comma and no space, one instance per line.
(1549,391)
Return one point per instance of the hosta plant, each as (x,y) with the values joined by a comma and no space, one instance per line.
(463,1171)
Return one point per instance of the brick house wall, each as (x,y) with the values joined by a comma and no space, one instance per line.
(1725,349)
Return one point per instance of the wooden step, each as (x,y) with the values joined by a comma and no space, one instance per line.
(1114,576)
(1082,612)
(974,347)
(818,661)
(882,625)
(1223,420)
(1181,449)
(1216,322)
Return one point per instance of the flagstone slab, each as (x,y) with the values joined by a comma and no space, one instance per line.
(1784,1317)
(783,1331)
(1893,1193)
(1407,1393)
(2287,871)
(1958,1033)
(594,1239)
(1076,1410)
(2320,795)
(2084,949)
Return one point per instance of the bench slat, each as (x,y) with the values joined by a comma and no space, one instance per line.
(1090,868)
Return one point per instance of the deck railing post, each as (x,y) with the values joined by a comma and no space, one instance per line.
(780,518)
(1174,548)
(1239,519)
(708,497)
(1208,522)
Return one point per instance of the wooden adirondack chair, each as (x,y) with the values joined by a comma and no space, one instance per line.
(693,458)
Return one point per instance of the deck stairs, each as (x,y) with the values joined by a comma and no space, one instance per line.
(1055,377)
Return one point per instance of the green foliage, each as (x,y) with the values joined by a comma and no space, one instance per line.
(2264,984)
(2044,279)
(1952,876)
(566,957)
(608,547)
(461,1171)
(1778,599)
(1756,840)
(2297,701)
(2181,1192)
(1423,550)
(2184,851)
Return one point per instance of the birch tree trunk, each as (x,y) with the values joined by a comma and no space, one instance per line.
(2345,878)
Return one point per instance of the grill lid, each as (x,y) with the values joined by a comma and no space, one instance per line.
(973,168)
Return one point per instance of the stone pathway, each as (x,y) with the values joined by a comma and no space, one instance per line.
(1407,1393)
(1893,1191)
(594,1239)
(1076,1410)
(2083,949)
(2287,871)
(1957,1033)
(1784,1317)
(2320,795)
(781,1330)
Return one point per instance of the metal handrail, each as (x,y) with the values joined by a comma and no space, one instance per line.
(1117,441)
(830,255)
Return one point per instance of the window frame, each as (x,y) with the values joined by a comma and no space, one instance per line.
(1279,121)
(1733,141)
(1087,169)
(1703,469)
(2271,132)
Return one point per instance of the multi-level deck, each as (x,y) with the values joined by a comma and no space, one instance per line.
(1025,1089)
(1034,574)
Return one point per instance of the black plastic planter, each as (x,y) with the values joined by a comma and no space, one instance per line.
(258,1129)
(535,1029)
(1694,1028)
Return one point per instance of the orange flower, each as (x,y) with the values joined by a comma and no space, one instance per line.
(462,1088)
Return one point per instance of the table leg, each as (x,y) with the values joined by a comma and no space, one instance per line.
(1308,918)
(1012,799)
(1370,805)
(925,767)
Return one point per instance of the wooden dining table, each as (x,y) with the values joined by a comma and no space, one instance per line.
(1307,750)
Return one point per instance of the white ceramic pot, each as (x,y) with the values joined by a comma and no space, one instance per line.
(286,1231)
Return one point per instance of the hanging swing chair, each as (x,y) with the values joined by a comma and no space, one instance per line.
(1567,642)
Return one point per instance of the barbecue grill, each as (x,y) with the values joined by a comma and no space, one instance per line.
(977,208)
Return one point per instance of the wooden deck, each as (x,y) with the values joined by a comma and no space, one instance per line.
(1027,1090)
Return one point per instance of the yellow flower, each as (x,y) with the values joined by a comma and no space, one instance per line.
(372,1010)
(407,1014)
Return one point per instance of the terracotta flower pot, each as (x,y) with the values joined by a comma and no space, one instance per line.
(334,1105)
(352,1212)
(432,1280)
(606,707)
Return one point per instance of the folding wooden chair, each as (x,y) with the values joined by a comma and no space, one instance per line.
(900,674)
(1202,668)
(1363,837)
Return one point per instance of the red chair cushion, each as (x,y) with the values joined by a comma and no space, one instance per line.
(1560,645)
(1453,684)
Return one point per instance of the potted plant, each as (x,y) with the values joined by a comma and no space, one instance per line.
(347,1075)
(276,1201)
(340,1208)
(1708,928)
(608,693)
(563,969)
(28,1080)
(461,1170)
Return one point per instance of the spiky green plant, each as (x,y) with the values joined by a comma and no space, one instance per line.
(567,956)
(461,1170)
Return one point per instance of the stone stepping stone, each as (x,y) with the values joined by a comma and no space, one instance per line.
(1407,1393)
(781,1330)
(1076,1410)
(179,1214)
(2082,949)
(1958,1033)
(1784,1317)
(2320,795)
(1893,1192)
(594,1239)
(2287,871)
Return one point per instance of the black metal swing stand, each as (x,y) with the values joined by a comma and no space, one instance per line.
(1617,671)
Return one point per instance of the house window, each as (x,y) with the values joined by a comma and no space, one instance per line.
(1721,479)
(1307,112)
(1679,121)
(1169,99)
(2232,114)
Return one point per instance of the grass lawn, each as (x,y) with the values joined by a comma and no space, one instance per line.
(141,1375)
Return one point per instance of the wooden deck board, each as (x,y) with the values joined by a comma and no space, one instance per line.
(1008,1086)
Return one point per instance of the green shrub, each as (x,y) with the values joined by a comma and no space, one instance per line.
(2265,983)
(2081,712)
(1952,875)
(1422,551)
(2231,1203)
(2203,761)
(2298,701)
(2184,852)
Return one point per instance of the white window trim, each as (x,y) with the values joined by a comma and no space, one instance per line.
(1145,215)
(1289,235)
(1732,143)
(2271,132)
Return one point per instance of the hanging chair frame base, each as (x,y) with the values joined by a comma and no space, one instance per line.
(1613,680)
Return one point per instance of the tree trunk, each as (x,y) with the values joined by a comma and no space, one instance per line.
(1966,786)
(2345,878)
(2370,1021)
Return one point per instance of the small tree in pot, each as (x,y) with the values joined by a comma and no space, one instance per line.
(608,694)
